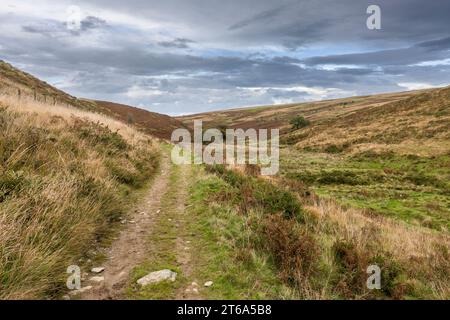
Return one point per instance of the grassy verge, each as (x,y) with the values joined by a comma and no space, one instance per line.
(222,241)
(64,182)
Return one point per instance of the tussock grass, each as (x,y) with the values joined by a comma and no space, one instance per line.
(65,175)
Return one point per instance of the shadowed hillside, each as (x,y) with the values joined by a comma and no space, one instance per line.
(156,124)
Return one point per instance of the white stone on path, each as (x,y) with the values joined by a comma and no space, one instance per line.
(209,284)
(157,276)
(82,290)
(98,270)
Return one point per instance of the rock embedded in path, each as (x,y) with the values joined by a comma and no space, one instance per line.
(209,283)
(98,270)
(97,279)
(157,276)
(80,291)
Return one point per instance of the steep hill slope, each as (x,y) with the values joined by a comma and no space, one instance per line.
(66,179)
(18,83)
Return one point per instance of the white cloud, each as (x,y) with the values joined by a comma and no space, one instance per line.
(314,93)
(415,85)
(138,92)
(334,67)
(432,63)
(282,100)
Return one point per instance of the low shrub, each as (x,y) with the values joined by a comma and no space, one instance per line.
(299,122)
(340,177)
(295,251)
(335,148)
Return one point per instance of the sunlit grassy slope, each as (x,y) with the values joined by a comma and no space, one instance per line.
(66,176)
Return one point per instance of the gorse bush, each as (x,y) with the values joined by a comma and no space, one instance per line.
(59,194)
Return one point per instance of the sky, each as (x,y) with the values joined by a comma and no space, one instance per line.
(189,56)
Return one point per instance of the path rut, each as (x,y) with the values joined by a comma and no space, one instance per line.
(131,247)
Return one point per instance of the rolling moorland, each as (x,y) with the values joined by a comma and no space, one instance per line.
(363,181)
(388,153)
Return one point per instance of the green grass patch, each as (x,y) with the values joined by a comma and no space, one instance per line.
(408,188)
(223,242)
(163,254)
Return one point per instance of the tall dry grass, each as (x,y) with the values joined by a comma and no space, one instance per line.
(65,177)
(42,112)
(414,261)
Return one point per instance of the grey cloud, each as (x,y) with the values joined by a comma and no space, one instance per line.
(180,43)
(354,71)
(425,51)
(439,44)
(297,21)
(92,22)
(54,28)
(263,16)
(48,27)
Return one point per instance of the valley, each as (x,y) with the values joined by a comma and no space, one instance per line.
(362,181)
